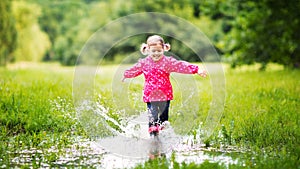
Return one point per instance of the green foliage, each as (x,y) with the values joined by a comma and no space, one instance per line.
(69,31)
(63,29)
(258,31)
(180,9)
(8,32)
(32,43)
(243,32)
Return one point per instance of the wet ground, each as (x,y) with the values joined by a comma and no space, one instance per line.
(127,149)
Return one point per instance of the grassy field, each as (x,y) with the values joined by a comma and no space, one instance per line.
(261,113)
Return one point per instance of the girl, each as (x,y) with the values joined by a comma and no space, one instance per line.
(156,68)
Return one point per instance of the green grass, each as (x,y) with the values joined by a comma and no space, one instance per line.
(28,98)
(264,107)
(35,110)
(261,112)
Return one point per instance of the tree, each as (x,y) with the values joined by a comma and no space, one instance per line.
(70,24)
(8,33)
(61,21)
(32,43)
(187,10)
(262,31)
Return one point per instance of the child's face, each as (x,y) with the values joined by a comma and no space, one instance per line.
(156,52)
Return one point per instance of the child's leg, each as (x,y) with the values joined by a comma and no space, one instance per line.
(164,114)
(153,111)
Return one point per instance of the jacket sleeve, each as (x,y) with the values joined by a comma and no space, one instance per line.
(182,66)
(134,71)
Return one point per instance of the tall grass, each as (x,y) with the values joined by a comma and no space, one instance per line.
(27,98)
(264,107)
(35,110)
(261,111)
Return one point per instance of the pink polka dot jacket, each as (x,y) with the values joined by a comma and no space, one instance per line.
(157,85)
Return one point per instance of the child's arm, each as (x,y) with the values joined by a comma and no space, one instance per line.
(134,71)
(182,66)
(185,67)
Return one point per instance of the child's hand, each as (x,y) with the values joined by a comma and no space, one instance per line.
(202,72)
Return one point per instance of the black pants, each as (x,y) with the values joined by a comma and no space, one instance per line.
(158,112)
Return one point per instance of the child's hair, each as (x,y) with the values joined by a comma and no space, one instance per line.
(154,40)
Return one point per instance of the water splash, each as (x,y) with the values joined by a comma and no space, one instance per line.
(134,141)
(133,145)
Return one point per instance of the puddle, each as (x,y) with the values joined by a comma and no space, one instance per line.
(135,141)
(126,149)
(128,152)
(81,153)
